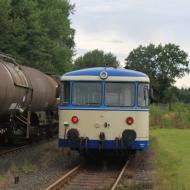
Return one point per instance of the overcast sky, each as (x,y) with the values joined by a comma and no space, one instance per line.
(118,26)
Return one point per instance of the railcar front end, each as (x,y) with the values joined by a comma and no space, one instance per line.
(104,109)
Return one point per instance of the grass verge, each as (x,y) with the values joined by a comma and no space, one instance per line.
(172,154)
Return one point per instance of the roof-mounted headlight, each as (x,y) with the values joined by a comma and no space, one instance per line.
(103,75)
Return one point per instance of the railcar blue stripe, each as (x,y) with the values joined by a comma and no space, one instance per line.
(107,144)
(101,109)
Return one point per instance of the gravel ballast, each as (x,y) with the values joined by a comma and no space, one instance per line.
(37,166)
(140,173)
(41,164)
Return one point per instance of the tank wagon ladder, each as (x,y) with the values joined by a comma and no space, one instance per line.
(26,122)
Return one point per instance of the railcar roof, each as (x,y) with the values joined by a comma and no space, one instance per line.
(111,72)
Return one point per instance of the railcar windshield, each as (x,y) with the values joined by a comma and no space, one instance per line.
(119,94)
(87,93)
(143,94)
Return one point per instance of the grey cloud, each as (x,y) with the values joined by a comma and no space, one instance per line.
(147,12)
(139,21)
(117,41)
(125,24)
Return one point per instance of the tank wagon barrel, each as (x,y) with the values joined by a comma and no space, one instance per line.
(28,101)
(24,88)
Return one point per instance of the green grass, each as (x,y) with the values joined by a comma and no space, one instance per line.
(172,158)
(29,167)
(3,181)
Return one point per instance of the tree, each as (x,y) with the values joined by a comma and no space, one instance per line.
(96,58)
(161,63)
(38,33)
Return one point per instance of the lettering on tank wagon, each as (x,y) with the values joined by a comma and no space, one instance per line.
(24,98)
(14,106)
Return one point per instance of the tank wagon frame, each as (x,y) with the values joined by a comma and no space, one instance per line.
(104,109)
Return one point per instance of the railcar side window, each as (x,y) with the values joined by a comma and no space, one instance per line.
(64,93)
(143,95)
(86,93)
(119,94)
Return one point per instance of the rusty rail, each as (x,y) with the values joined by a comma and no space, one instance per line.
(12,150)
(91,179)
(60,182)
(120,175)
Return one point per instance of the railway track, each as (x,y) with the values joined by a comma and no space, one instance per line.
(85,178)
(8,150)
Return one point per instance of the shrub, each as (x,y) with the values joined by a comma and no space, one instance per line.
(176,115)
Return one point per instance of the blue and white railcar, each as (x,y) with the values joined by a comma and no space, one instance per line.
(104,109)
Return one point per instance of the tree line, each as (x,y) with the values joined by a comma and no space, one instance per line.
(39,34)
(162,63)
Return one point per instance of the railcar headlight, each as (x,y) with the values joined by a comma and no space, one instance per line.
(75,119)
(103,75)
(130,120)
